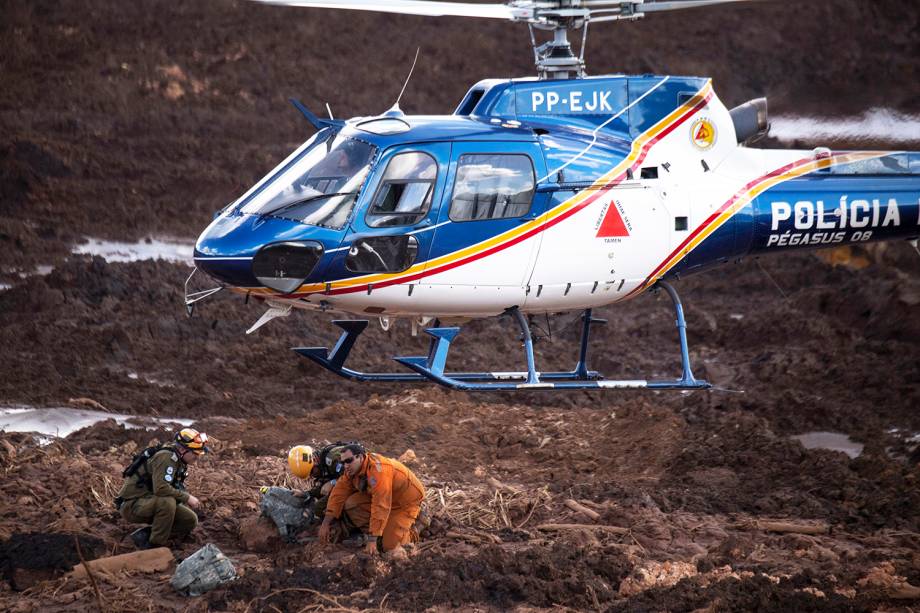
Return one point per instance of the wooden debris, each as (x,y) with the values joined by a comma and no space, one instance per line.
(473,538)
(595,527)
(904,591)
(500,486)
(88,402)
(792,528)
(580,508)
(9,449)
(89,572)
(145,561)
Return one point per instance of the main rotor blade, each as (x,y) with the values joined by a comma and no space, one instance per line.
(673,5)
(417,7)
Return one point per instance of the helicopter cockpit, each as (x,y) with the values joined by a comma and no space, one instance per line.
(318,185)
(379,196)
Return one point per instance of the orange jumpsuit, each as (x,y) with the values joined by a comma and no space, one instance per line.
(392,492)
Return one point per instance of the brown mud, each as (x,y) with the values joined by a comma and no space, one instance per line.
(126,120)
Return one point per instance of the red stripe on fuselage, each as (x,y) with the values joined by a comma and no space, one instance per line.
(709,220)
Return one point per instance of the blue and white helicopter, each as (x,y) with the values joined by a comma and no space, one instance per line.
(537,195)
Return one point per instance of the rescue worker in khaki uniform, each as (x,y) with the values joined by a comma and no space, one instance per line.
(155,494)
(380,496)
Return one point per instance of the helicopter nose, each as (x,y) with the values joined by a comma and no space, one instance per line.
(225,251)
(249,251)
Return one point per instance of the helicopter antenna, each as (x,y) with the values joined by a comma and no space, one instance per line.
(399,97)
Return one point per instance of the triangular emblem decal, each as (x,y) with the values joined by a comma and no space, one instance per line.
(613,224)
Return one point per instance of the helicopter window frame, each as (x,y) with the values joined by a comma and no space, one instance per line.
(508,203)
(379,218)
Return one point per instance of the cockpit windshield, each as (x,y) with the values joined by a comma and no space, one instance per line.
(319,186)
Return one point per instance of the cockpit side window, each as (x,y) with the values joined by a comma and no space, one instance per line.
(492,186)
(404,195)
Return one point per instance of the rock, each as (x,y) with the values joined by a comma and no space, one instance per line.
(260,535)
(655,574)
(203,571)
(408,457)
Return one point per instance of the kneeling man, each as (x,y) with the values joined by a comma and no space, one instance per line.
(380,496)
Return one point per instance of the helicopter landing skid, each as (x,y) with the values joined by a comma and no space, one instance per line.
(431,367)
(334,361)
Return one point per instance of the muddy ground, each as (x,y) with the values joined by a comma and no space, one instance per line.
(125,120)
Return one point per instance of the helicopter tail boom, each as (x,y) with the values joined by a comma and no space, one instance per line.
(871,200)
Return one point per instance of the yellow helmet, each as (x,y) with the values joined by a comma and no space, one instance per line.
(194,440)
(300,459)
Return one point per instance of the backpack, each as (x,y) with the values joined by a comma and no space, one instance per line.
(141,460)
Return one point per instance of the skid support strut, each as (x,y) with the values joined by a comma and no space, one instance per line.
(687,380)
(432,367)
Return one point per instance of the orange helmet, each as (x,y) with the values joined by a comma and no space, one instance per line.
(193,440)
(300,460)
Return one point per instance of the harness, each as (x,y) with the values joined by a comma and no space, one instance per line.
(141,473)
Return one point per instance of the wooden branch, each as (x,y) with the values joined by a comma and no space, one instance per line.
(89,573)
(792,528)
(904,591)
(595,527)
(145,561)
(495,483)
(580,508)
(464,537)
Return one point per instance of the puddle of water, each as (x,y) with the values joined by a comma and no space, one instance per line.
(905,435)
(41,271)
(833,441)
(62,421)
(114,251)
(148,249)
(875,125)
(151,380)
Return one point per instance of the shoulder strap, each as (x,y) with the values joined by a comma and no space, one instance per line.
(140,460)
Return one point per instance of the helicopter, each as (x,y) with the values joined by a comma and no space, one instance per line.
(550,194)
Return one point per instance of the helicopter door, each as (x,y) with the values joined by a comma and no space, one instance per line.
(490,197)
(391,232)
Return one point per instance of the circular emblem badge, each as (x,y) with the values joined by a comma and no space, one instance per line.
(703,133)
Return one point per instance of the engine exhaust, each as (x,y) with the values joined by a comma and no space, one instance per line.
(750,120)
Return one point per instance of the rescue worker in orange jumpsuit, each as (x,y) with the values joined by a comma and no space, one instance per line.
(380,496)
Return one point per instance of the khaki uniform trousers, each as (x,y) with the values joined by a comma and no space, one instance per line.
(166,516)
(397,530)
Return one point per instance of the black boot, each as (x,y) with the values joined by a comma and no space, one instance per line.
(141,538)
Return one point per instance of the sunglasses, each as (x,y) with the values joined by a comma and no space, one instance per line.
(349,460)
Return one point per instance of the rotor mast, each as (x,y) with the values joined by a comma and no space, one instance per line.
(554,59)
